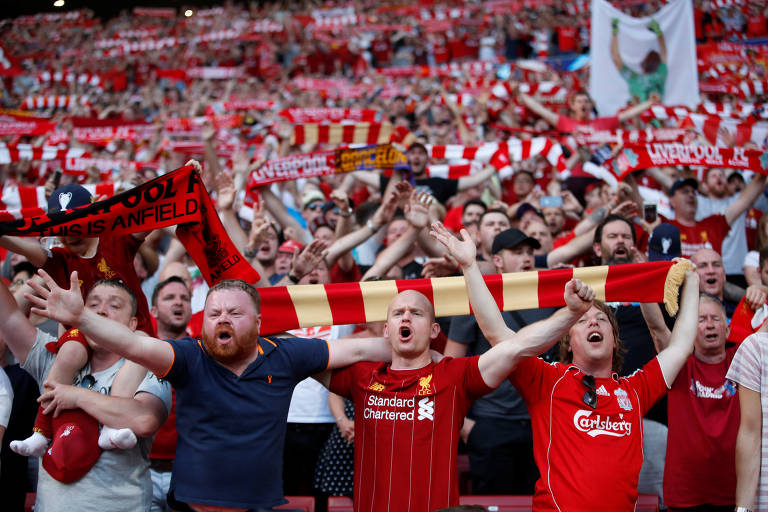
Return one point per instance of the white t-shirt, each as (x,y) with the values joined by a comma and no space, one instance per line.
(6,398)
(309,403)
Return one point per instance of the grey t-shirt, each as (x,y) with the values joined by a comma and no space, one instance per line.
(119,481)
(504,401)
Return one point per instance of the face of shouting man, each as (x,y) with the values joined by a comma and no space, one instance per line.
(231,325)
(410,324)
(615,244)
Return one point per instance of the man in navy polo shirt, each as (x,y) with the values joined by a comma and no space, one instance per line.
(233,389)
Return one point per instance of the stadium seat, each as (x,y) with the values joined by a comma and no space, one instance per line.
(305,503)
(29,503)
(465,476)
(499,503)
(647,503)
(339,504)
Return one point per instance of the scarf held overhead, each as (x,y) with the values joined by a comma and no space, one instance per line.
(177,198)
(644,156)
(285,308)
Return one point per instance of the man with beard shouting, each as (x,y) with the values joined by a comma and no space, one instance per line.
(232,390)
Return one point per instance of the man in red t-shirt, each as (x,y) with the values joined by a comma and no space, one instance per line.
(580,109)
(709,232)
(586,420)
(703,419)
(408,413)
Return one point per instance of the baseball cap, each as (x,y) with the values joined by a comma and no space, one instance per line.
(677,185)
(526,207)
(311,195)
(418,145)
(664,243)
(291,246)
(511,238)
(69,196)
(70,460)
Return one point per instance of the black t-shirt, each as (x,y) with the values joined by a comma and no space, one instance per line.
(442,189)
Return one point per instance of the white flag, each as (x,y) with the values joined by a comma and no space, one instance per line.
(634,57)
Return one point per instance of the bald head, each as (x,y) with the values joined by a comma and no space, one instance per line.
(177,269)
(413,298)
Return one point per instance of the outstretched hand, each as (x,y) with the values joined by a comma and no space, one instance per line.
(54,302)
(578,296)
(464,250)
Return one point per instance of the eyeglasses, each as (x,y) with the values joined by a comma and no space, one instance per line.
(88,382)
(590,395)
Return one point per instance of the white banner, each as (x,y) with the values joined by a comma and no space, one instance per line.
(639,56)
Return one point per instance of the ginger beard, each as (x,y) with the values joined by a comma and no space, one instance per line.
(226,346)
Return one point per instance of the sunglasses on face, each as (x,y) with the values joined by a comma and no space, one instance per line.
(590,395)
(88,382)
(314,206)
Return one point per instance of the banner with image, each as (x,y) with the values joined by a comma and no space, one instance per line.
(632,58)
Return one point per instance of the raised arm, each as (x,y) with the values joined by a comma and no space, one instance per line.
(484,306)
(567,252)
(225,202)
(615,53)
(476,179)
(536,338)
(67,307)
(746,198)
(654,27)
(15,329)
(277,209)
(509,347)
(392,254)
(638,109)
(539,109)
(672,358)
(353,350)
(27,247)
(351,240)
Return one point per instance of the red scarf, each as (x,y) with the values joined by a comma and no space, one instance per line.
(177,198)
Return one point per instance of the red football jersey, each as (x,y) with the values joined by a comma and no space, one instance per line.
(704,417)
(569,125)
(113,260)
(708,233)
(589,459)
(407,425)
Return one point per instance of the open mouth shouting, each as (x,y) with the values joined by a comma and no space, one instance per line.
(406,333)
(223,334)
(621,252)
(595,337)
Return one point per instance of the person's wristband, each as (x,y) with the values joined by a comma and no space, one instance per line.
(743,509)
(370,225)
(348,213)
(293,278)
(340,418)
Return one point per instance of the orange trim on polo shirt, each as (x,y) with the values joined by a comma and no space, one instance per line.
(173,360)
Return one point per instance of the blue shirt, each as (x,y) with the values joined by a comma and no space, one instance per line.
(232,429)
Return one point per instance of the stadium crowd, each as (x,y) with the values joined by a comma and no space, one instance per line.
(501,166)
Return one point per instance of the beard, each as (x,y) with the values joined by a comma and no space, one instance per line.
(621,258)
(239,348)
